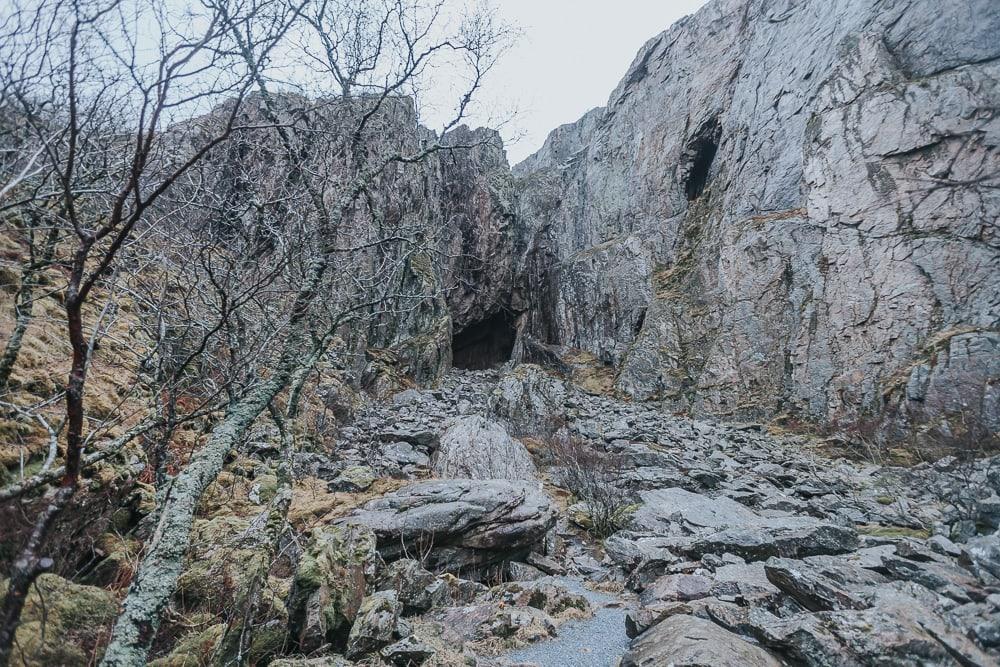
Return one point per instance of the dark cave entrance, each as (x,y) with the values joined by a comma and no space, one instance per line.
(484,344)
(701,153)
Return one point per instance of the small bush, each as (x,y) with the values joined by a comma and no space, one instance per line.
(594,477)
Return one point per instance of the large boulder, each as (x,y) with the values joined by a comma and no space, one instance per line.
(476,448)
(788,537)
(419,590)
(458,525)
(529,400)
(688,641)
(822,583)
(898,630)
(704,525)
(668,510)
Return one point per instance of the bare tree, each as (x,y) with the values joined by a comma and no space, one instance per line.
(93,102)
(248,228)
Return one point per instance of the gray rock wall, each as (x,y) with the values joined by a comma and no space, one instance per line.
(786,207)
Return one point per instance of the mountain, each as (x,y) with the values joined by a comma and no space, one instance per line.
(785,209)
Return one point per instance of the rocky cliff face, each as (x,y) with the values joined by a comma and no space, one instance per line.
(786,207)
(428,249)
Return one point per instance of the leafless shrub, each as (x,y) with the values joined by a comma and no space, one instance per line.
(594,477)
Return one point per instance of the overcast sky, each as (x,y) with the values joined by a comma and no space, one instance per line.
(571,56)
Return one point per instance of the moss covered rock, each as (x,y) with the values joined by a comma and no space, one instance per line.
(222,559)
(354,479)
(329,585)
(194,649)
(62,623)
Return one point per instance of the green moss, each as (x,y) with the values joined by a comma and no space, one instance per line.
(219,565)
(331,577)
(62,622)
(266,643)
(194,649)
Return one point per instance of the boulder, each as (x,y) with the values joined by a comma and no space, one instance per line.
(529,400)
(419,590)
(983,555)
(669,510)
(899,631)
(329,585)
(476,448)
(404,456)
(353,479)
(823,583)
(677,588)
(408,652)
(376,625)
(412,433)
(461,525)
(544,594)
(488,622)
(791,537)
(743,580)
(522,624)
(688,641)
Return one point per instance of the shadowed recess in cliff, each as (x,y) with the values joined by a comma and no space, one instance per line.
(700,155)
(484,344)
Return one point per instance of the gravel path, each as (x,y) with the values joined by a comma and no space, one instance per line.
(593,642)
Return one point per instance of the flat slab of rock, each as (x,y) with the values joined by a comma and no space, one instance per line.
(474,447)
(688,641)
(787,537)
(823,583)
(460,524)
(677,588)
(664,509)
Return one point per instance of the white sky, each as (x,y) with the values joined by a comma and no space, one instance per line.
(571,56)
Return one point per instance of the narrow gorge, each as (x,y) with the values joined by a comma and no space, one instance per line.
(712,378)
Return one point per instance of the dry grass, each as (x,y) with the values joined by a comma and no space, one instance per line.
(589,374)
(44,361)
(314,505)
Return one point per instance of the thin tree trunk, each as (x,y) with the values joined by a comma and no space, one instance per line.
(235,642)
(24,307)
(28,567)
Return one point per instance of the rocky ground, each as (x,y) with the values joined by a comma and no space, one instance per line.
(509,518)
(730,546)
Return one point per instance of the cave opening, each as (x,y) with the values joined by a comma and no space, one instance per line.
(701,154)
(484,344)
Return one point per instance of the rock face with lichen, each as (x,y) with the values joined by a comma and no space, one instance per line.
(784,208)
(329,586)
